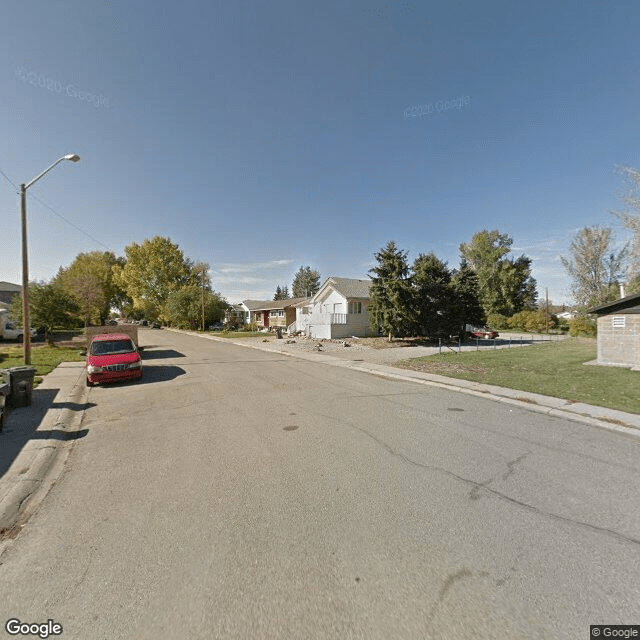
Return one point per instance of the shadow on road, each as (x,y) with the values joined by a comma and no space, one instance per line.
(159,354)
(73,406)
(159,373)
(21,426)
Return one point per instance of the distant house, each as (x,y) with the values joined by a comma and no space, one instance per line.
(619,332)
(237,312)
(271,314)
(8,291)
(338,310)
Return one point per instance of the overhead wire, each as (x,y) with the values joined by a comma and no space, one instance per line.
(44,204)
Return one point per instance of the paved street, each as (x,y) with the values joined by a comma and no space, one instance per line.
(235,493)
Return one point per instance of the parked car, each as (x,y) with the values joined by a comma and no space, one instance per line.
(154,325)
(481,332)
(112,357)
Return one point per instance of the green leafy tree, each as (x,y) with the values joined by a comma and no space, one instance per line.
(432,299)
(505,285)
(391,302)
(306,282)
(151,272)
(50,306)
(630,218)
(90,280)
(594,268)
(183,307)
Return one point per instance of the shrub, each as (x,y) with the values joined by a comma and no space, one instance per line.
(497,321)
(582,326)
(252,326)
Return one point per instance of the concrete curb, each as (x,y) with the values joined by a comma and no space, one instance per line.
(38,465)
(610,419)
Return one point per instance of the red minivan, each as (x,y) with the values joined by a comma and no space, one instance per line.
(112,357)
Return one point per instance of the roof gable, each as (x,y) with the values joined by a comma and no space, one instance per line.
(347,287)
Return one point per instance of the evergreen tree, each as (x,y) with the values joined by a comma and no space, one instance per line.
(431,297)
(390,306)
(306,282)
(282,293)
(466,307)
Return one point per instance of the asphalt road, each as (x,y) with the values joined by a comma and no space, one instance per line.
(234,493)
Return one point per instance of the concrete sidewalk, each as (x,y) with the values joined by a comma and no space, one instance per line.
(34,444)
(362,360)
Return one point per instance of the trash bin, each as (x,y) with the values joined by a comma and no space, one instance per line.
(21,384)
(5,388)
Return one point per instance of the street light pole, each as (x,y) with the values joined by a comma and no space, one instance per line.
(26,327)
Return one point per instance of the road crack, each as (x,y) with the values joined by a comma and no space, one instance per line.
(483,486)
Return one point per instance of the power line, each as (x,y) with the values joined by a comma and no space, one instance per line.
(10,181)
(44,204)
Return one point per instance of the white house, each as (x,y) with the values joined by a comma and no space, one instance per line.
(338,310)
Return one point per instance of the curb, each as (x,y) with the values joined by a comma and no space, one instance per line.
(42,460)
(623,423)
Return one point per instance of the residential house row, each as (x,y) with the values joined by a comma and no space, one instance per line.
(338,310)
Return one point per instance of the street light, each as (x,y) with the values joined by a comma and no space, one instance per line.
(26,333)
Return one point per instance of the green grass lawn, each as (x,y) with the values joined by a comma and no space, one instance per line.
(553,369)
(44,358)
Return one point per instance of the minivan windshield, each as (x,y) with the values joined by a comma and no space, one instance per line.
(111,347)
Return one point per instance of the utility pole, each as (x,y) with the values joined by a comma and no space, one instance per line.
(546,315)
(203,298)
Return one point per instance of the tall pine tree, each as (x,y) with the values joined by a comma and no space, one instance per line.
(390,306)
(432,297)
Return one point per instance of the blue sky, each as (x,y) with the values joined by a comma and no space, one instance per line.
(261,136)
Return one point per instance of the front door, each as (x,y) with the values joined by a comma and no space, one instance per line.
(266,319)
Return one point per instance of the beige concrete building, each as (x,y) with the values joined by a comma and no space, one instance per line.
(619,332)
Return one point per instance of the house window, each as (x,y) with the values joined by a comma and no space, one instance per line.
(273,313)
(618,322)
(355,307)
(281,312)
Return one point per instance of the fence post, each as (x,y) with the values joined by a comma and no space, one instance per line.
(477,344)
(440,345)
(459,347)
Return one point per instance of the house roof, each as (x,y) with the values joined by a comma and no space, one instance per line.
(8,290)
(349,287)
(268,305)
(629,304)
(9,286)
